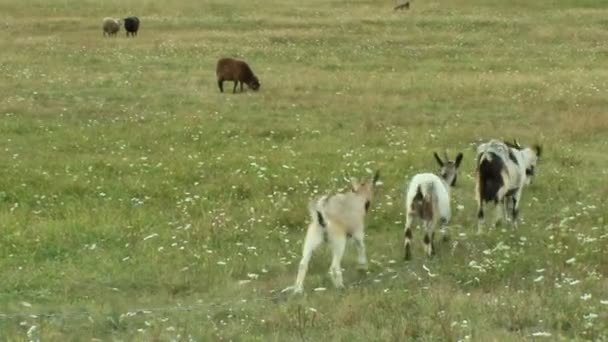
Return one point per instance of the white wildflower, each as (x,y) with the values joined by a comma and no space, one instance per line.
(150,236)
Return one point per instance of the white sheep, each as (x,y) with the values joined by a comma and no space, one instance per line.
(110,26)
(501,173)
(333,219)
(428,199)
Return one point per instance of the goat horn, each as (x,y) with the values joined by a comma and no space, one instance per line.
(539,149)
(438,159)
(376,177)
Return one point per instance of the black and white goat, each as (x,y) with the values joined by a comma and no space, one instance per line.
(501,173)
(333,219)
(428,199)
(529,155)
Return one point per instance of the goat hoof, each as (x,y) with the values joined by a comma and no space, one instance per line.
(362,267)
(297,290)
(445,238)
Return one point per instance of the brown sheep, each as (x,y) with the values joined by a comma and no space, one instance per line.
(229,69)
(110,26)
(403,5)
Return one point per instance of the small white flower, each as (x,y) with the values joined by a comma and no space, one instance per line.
(590,316)
(428,271)
(31,330)
(150,236)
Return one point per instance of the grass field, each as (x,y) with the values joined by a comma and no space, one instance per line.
(139,203)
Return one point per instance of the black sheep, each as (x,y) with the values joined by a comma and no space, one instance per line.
(131,25)
(229,69)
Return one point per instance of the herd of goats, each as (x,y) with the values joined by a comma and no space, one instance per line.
(502,171)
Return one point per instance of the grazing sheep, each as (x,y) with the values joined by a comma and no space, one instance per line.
(333,219)
(403,5)
(110,26)
(501,173)
(428,199)
(229,69)
(131,25)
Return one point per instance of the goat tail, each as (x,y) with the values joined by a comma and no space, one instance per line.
(315,208)
(427,190)
(484,157)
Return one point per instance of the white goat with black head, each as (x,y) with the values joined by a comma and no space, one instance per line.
(501,173)
(333,219)
(428,199)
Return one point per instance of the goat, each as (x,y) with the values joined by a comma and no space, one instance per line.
(428,199)
(333,219)
(502,170)
(229,69)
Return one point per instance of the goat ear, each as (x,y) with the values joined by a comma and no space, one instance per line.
(439,161)
(376,177)
(458,159)
(517,144)
(538,149)
(354,183)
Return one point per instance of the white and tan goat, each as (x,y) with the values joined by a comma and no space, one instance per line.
(333,219)
(428,199)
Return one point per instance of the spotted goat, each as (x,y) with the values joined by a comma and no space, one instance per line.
(334,218)
(428,199)
(502,171)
